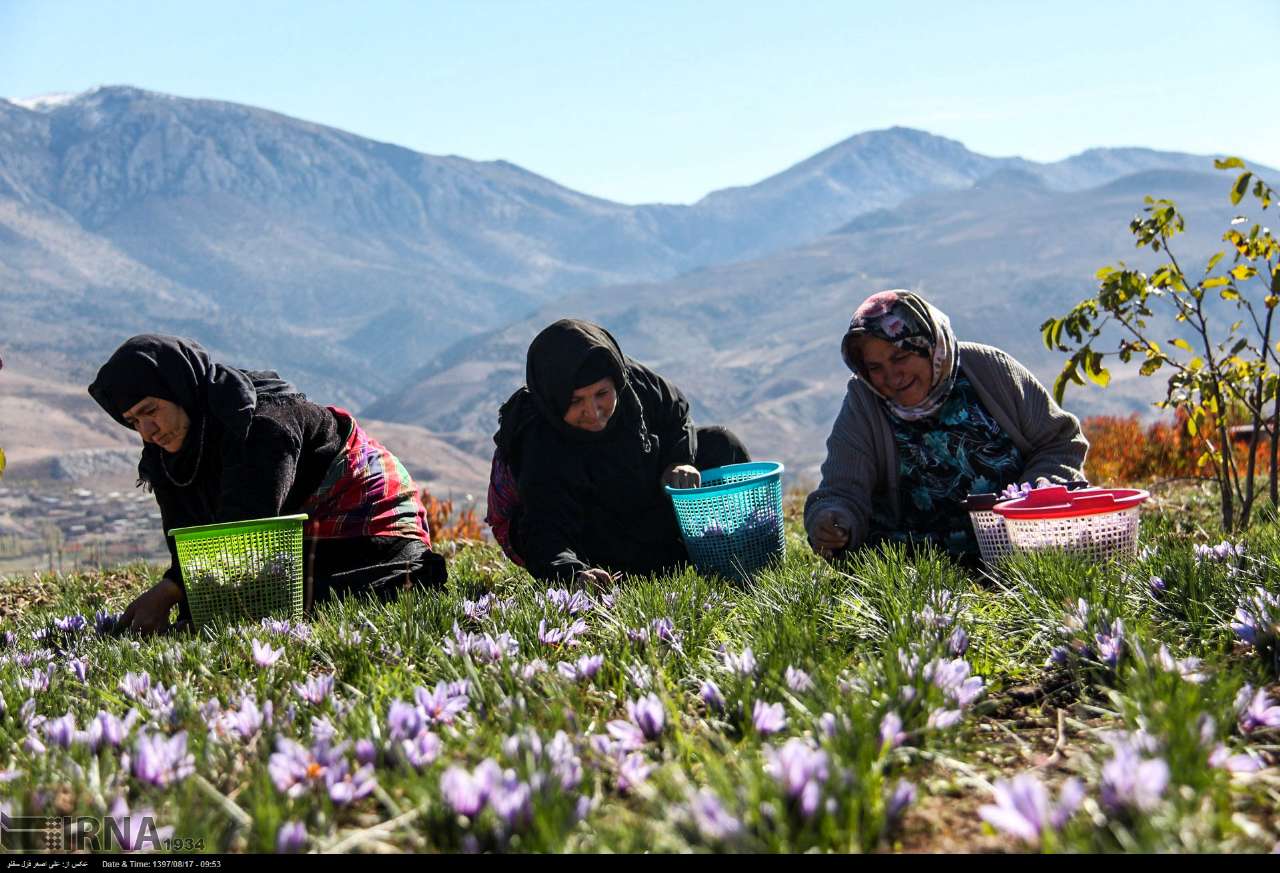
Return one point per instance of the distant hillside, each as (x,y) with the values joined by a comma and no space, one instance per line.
(756,344)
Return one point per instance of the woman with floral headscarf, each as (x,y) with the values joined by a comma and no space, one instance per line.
(927,421)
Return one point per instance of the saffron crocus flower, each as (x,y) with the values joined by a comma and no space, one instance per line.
(366,751)
(561,636)
(105,622)
(941,719)
(136,685)
(633,770)
(768,718)
(70,623)
(295,769)
(316,689)
(345,786)
(798,680)
(162,761)
(265,656)
(465,792)
(440,706)
(1131,783)
(62,731)
(828,724)
(1257,619)
(711,696)
(1187,668)
(1256,710)
(78,668)
(743,664)
(291,838)
(648,714)
(106,728)
(903,795)
(512,801)
(404,721)
(136,831)
(1110,643)
(626,735)
(958,644)
(664,629)
(800,770)
(891,734)
(1157,585)
(421,750)
(713,822)
(1222,758)
(1023,808)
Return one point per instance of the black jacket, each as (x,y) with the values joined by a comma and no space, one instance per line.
(594,500)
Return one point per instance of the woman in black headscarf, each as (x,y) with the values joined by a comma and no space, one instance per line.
(224,444)
(583,450)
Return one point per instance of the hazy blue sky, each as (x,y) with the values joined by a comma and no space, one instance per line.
(665,101)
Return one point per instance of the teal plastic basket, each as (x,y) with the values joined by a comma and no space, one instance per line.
(242,570)
(732,524)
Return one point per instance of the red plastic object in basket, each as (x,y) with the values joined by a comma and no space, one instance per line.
(1056,501)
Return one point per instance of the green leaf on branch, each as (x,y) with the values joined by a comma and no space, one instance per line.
(1213,262)
(1230,293)
(1216,282)
(1181,343)
(1094,370)
(1150,366)
(1240,188)
(1242,272)
(1228,164)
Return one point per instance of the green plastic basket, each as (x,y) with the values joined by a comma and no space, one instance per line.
(241,570)
(732,523)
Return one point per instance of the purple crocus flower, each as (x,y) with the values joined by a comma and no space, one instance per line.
(561,636)
(632,771)
(295,769)
(316,689)
(798,680)
(366,751)
(105,622)
(588,666)
(1157,585)
(626,735)
(1256,710)
(465,792)
(828,724)
(1222,758)
(512,801)
(71,623)
(941,719)
(38,681)
(891,734)
(1023,809)
(714,823)
(800,770)
(265,656)
(1187,668)
(404,721)
(648,714)
(440,706)
(78,668)
(958,644)
(106,728)
(162,761)
(665,630)
(345,786)
(1111,644)
(743,664)
(711,696)
(768,718)
(421,750)
(136,685)
(1131,783)
(136,831)
(1257,619)
(62,731)
(903,795)
(291,839)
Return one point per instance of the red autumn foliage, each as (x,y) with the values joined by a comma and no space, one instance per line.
(1124,451)
(442,524)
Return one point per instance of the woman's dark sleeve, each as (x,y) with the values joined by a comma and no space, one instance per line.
(257,475)
(550,521)
(667,412)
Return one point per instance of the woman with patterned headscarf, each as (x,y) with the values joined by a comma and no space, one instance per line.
(927,421)
(224,444)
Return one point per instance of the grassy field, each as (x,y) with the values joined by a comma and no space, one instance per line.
(886,703)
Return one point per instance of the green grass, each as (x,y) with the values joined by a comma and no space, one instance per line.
(855,629)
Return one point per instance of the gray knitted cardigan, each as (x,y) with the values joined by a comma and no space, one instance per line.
(862,459)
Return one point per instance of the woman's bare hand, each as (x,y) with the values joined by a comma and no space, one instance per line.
(681,476)
(149,611)
(831,531)
(594,579)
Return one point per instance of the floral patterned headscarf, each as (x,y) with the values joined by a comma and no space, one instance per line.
(905,320)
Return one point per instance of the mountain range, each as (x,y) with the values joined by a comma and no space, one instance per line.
(406,286)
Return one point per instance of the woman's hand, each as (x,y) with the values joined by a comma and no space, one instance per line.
(149,611)
(831,531)
(594,579)
(682,476)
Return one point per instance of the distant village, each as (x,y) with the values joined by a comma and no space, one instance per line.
(63,530)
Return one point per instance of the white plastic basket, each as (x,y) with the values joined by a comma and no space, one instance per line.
(1097,523)
(992,535)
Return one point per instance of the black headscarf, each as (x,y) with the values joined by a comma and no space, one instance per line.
(215,397)
(565,356)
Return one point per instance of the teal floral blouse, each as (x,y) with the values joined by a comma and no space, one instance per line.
(942,459)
